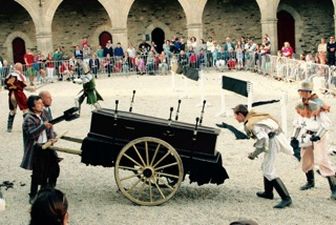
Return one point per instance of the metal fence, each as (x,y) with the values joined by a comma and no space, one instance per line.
(280,68)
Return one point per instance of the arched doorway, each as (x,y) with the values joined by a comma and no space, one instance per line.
(286,29)
(158,37)
(104,37)
(19,49)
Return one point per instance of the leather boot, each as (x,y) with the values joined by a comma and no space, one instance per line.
(332,184)
(310,181)
(10,122)
(286,200)
(33,190)
(268,187)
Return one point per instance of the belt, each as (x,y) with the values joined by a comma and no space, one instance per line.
(310,132)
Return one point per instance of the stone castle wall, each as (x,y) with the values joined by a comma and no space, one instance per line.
(14,18)
(316,19)
(74,20)
(231,18)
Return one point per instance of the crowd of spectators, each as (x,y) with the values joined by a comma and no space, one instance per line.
(148,58)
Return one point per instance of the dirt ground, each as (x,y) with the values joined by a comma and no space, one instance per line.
(92,191)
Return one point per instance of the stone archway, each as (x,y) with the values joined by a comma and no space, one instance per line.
(10,39)
(298,24)
(146,15)
(166,30)
(87,21)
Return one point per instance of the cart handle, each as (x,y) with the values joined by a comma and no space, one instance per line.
(52,141)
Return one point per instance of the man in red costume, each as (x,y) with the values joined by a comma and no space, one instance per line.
(15,83)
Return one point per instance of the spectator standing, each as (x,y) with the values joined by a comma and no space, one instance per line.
(108,64)
(4,72)
(287,50)
(331,49)
(86,53)
(166,48)
(144,48)
(163,65)
(228,48)
(118,51)
(78,53)
(57,58)
(94,65)
(131,56)
(240,55)
(29,60)
(108,49)
(50,68)
(100,53)
(322,51)
(210,48)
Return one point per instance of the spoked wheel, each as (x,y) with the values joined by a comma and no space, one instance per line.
(144,170)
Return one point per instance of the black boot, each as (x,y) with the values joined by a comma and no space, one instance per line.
(33,190)
(282,191)
(10,122)
(268,187)
(332,184)
(310,181)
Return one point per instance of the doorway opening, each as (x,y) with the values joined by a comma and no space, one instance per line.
(286,29)
(19,49)
(158,37)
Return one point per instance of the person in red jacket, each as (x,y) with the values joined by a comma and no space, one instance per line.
(287,50)
(15,82)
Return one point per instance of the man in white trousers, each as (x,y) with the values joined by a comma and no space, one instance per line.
(269,140)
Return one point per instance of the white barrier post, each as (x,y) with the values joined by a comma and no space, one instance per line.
(173,74)
(202,88)
(284,103)
(249,95)
(201,85)
(222,111)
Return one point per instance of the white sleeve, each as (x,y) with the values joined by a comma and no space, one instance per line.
(261,135)
(296,121)
(325,120)
(86,78)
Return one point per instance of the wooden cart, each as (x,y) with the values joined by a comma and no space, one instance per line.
(150,155)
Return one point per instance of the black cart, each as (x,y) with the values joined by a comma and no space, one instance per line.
(151,156)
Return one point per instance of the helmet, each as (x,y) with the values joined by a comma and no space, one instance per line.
(306,86)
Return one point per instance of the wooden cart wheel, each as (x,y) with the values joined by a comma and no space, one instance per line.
(142,170)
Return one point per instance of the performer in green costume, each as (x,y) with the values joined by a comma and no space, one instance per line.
(89,89)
